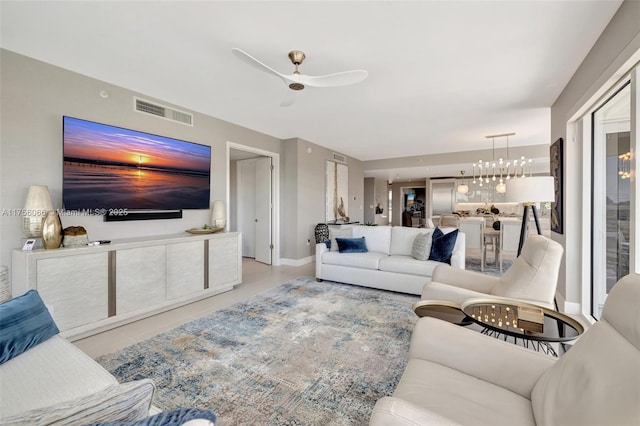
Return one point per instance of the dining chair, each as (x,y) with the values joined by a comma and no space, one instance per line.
(474,237)
(449,221)
(509,238)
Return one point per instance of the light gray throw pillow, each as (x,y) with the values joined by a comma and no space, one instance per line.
(340,232)
(421,246)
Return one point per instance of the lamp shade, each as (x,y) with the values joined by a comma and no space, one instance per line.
(463,188)
(218,214)
(36,206)
(534,189)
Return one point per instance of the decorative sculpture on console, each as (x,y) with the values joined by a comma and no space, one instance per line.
(341,212)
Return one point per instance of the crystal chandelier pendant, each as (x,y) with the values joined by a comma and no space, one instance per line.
(497,172)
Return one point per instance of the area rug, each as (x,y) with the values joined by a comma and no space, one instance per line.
(304,353)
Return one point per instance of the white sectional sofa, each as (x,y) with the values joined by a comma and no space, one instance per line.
(388,264)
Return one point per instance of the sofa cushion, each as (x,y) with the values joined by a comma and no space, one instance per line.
(369,260)
(442,245)
(402,238)
(352,245)
(70,374)
(408,265)
(421,247)
(378,237)
(25,322)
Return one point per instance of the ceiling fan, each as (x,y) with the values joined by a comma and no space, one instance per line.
(297,81)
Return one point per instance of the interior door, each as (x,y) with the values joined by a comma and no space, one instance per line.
(246,205)
(263,210)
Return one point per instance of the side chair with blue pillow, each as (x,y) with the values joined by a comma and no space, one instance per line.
(48,380)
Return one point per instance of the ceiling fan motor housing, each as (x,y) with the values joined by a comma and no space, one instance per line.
(296,57)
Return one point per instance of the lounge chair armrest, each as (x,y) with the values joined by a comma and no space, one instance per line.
(469,280)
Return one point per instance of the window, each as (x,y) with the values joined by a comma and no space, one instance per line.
(612,197)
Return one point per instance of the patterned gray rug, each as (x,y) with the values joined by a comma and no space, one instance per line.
(304,353)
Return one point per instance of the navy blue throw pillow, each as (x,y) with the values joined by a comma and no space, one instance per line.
(352,245)
(442,245)
(167,418)
(24,323)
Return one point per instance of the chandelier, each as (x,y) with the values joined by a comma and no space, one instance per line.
(502,170)
(624,165)
(462,188)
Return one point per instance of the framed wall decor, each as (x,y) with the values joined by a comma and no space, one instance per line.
(337,187)
(556,161)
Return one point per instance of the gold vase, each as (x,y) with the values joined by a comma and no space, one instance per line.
(51,230)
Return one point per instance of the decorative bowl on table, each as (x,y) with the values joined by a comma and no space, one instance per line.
(204,230)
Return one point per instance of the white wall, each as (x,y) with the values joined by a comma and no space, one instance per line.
(609,56)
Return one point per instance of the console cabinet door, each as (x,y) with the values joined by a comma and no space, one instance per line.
(185,268)
(140,278)
(75,288)
(224,266)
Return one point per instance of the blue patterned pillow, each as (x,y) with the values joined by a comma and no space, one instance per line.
(352,245)
(24,323)
(167,418)
(442,245)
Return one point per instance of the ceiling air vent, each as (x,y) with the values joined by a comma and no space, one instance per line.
(339,158)
(162,111)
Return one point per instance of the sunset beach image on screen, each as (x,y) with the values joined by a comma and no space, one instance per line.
(108,167)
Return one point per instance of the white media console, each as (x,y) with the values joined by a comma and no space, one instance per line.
(96,288)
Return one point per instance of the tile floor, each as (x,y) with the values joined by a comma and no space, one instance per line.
(256,277)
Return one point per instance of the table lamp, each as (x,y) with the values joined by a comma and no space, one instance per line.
(529,191)
(36,206)
(218,214)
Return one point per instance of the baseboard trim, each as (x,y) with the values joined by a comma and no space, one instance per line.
(572,308)
(296,262)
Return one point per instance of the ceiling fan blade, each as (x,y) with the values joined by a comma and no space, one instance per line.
(289,98)
(334,80)
(250,60)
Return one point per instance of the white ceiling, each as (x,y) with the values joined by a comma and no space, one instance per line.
(442,74)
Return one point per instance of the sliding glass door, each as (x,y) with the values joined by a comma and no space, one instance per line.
(612,195)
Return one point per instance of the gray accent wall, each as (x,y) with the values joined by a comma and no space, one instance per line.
(304,163)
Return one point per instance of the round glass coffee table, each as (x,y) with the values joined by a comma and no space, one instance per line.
(537,326)
(443,310)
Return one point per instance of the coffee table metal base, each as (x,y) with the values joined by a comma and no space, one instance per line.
(539,346)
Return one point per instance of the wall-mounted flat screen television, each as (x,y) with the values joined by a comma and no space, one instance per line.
(111,168)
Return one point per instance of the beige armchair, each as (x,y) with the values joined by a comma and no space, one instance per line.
(456,376)
(533,277)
